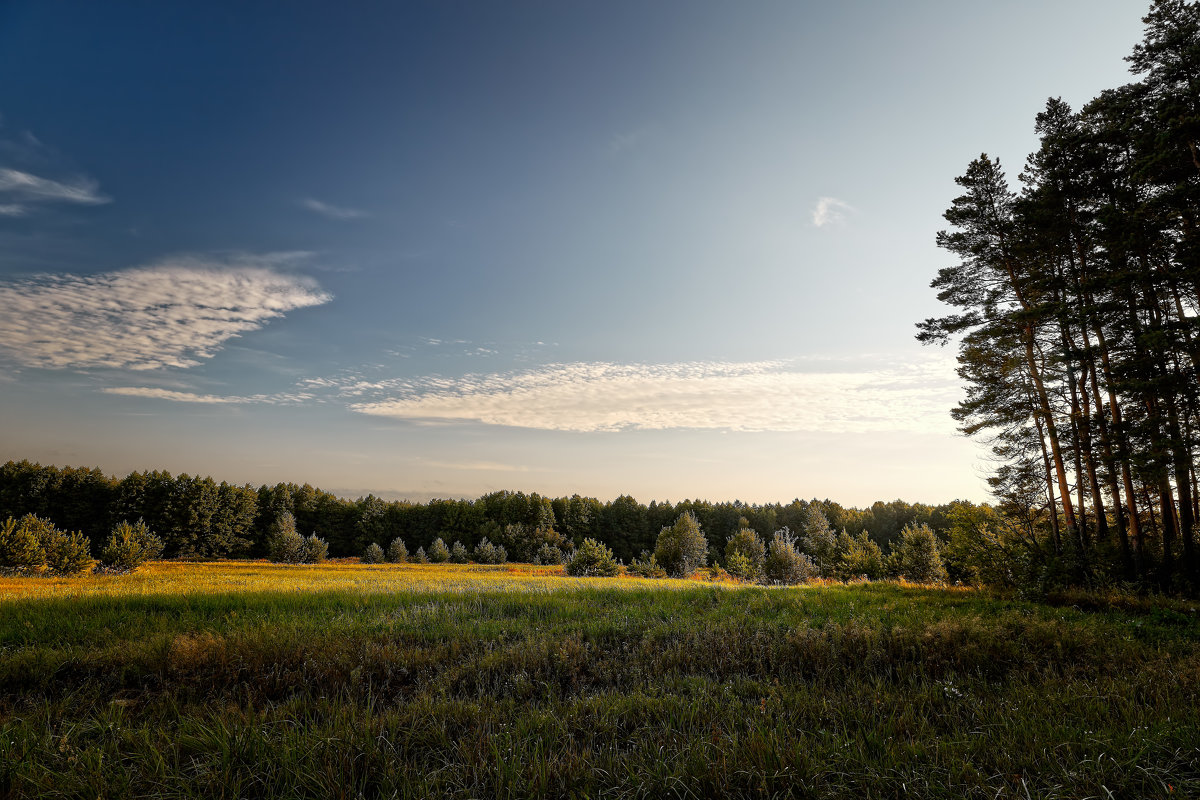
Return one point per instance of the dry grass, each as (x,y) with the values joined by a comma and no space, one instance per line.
(341,575)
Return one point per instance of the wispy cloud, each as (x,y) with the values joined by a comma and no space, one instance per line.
(754,396)
(208,399)
(21,191)
(169,394)
(830,211)
(172,314)
(627,140)
(331,211)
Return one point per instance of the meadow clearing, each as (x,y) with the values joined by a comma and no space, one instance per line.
(251,679)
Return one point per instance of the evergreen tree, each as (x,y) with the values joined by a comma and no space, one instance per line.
(917,556)
(438,552)
(397,553)
(818,540)
(749,546)
(682,548)
(592,559)
(130,546)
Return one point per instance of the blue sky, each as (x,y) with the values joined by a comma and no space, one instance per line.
(441,248)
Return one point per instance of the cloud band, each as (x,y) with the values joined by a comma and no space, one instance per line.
(170,315)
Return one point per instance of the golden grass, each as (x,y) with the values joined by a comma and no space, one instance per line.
(224,577)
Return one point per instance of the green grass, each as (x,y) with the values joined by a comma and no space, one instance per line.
(571,689)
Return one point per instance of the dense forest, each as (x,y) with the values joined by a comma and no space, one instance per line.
(1075,317)
(199,518)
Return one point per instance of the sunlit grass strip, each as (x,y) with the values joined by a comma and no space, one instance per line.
(175,578)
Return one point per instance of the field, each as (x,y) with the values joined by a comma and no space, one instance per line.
(257,680)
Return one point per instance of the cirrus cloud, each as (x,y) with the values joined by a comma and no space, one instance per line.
(173,314)
(19,191)
(331,211)
(176,396)
(830,211)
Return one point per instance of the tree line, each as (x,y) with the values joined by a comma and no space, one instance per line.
(1075,302)
(196,517)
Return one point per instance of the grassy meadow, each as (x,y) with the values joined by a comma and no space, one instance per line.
(249,679)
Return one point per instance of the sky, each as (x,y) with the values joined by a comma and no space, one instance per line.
(436,249)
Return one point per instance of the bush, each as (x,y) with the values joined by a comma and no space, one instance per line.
(716,572)
(397,553)
(488,553)
(916,556)
(33,542)
(419,557)
(42,529)
(818,540)
(858,556)
(285,545)
(646,566)
(784,562)
(592,559)
(316,550)
(68,553)
(740,567)
(20,550)
(438,552)
(681,548)
(286,548)
(458,553)
(130,546)
(748,546)
(548,555)
(373,554)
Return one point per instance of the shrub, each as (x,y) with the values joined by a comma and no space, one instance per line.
(646,566)
(548,554)
(130,546)
(68,553)
(681,548)
(373,554)
(488,553)
(419,557)
(397,553)
(747,544)
(818,540)
(286,548)
(42,529)
(33,542)
(316,550)
(592,559)
(740,567)
(285,545)
(784,562)
(858,556)
(458,553)
(916,555)
(438,552)
(19,548)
